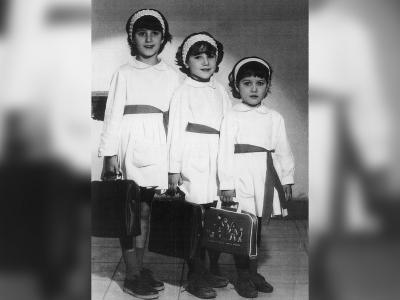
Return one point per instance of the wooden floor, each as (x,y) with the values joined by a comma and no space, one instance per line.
(283,260)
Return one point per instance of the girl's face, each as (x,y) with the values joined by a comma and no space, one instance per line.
(202,66)
(148,42)
(252,90)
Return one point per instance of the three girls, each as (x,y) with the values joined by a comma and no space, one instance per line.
(248,155)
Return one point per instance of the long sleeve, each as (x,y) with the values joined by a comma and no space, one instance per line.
(227,103)
(226,153)
(283,155)
(178,114)
(116,100)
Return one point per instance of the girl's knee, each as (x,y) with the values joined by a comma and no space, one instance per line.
(127,242)
(145,211)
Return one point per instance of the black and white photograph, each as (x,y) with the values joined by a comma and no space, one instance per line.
(171,149)
(199,149)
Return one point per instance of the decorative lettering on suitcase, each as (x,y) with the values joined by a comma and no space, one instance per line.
(225,231)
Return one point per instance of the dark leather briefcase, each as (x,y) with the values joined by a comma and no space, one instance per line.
(175,226)
(230,231)
(115,208)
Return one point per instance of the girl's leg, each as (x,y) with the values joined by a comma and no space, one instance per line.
(133,248)
(253,265)
(241,263)
(129,257)
(195,266)
(145,274)
(133,284)
(142,238)
(197,286)
(243,285)
(214,280)
(214,257)
(212,277)
(259,231)
(258,280)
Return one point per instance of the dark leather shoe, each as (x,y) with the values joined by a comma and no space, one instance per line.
(215,281)
(139,289)
(199,288)
(245,287)
(147,276)
(261,284)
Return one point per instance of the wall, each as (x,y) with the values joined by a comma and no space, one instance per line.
(276,30)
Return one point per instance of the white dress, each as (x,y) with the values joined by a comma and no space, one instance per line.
(246,172)
(194,155)
(139,140)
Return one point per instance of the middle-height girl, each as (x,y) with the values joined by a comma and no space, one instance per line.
(196,113)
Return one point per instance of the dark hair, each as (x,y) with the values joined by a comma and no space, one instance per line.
(147,22)
(252,68)
(198,48)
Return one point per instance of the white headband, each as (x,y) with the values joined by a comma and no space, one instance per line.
(247,60)
(142,13)
(193,40)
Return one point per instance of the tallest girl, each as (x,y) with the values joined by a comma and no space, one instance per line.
(133,141)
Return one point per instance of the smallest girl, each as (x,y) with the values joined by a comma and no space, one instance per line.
(255,160)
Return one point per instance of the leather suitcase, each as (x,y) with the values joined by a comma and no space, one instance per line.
(115,208)
(175,226)
(230,230)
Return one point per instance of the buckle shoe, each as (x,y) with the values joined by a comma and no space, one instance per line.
(139,289)
(147,276)
(260,283)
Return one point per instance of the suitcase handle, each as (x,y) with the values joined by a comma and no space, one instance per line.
(111,176)
(178,195)
(239,206)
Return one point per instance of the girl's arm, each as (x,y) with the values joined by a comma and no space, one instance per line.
(226,194)
(110,167)
(178,119)
(226,153)
(116,100)
(227,102)
(284,156)
(174,179)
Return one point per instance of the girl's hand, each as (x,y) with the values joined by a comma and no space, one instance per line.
(287,188)
(227,196)
(174,179)
(110,167)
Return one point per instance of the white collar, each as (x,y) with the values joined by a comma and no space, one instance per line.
(244,108)
(198,84)
(161,66)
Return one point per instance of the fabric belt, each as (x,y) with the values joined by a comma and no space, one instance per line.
(147,109)
(141,109)
(199,128)
(271,180)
